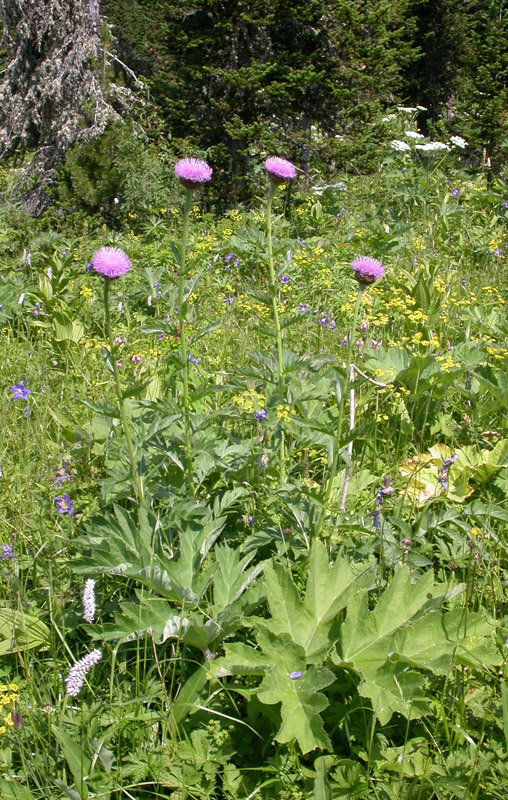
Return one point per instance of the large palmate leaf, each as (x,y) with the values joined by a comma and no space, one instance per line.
(405,632)
(295,641)
(197,622)
(168,562)
(391,646)
(329,587)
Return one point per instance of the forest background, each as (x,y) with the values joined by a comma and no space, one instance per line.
(235,79)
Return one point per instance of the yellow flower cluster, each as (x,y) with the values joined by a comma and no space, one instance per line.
(250,401)
(9,696)
(284,412)
(447,362)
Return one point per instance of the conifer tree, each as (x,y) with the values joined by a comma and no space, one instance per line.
(52,90)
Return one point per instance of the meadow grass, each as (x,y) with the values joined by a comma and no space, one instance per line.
(298,603)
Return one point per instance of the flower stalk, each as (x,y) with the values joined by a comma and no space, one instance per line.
(182,311)
(272,189)
(345,390)
(138,486)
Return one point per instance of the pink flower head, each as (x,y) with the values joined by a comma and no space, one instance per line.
(279,170)
(368,270)
(111,262)
(192,172)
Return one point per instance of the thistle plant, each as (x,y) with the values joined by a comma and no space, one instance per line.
(279,170)
(113,263)
(366,271)
(192,174)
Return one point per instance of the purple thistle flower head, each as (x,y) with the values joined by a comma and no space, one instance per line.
(368,270)
(111,262)
(21,391)
(65,504)
(280,170)
(7,552)
(193,172)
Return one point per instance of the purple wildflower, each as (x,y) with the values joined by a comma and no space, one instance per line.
(385,491)
(324,320)
(61,473)
(193,172)
(505,203)
(111,262)
(89,601)
(228,300)
(65,504)
(262,415)
(194,360)
(285,278)
(295,675)
(333,325)
(280,170)
(364,326)
(89,266)
(443,470)
(303,308)
(21,391)
(498,252)
(368,270)
(7,552)
(456,192)
(78,672)
(137,359)
(229,258)
(248,520)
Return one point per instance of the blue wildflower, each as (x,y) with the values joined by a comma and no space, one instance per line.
(21,391)
(65,504)
(7,552)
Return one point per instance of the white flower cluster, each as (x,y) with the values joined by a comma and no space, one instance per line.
(414,135)
(430,146)
(89,601)
(79,671)
(458,141)
(402,147)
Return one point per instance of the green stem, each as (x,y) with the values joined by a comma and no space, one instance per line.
(138,486)
(182,310)
(342,404)
(278,331)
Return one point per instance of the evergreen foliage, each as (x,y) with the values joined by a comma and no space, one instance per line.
(482,105)
(242,77)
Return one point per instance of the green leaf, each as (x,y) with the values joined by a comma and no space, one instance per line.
(20,630)
(12,790)
(78,762)
(329,587)
(301,700)
(408,630)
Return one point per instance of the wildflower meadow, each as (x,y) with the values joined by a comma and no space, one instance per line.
(254,480)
